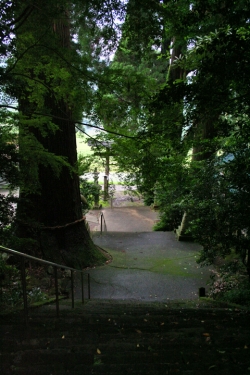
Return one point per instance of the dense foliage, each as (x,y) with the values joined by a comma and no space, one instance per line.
(166,82)
(182,93)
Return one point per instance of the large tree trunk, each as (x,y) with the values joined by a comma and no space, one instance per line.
(204,132)
(51,213)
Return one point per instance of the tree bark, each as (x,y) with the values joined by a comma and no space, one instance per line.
(52,214)
(204,132)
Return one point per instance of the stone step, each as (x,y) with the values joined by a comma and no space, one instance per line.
(126,338)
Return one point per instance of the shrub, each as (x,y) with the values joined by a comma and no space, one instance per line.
(240,295)
(230,284)
(36,295)
(11,290)
(89,190)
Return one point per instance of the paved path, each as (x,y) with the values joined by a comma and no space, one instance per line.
(124,219)
(147,265)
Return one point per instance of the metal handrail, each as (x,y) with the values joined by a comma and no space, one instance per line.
(103,222)
(56,266)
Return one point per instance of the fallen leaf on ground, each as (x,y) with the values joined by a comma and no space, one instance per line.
(98,351)
(138,331)
(206,334)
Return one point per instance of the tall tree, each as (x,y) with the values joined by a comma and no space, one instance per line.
(216,126)
(133,77)
(48,79)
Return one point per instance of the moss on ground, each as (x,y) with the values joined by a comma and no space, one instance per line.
(168,266)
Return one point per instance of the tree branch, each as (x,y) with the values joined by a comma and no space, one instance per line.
(24,14)
(75,122)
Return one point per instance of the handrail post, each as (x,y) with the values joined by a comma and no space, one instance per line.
(72,289)
(82,284)
(55,266)
(88,286)
(101,221)
(56,290)
(1,287)
(25,302)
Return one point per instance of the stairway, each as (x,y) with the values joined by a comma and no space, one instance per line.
(122,337)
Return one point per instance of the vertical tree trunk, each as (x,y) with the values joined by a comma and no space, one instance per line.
(204,131)
(52,213)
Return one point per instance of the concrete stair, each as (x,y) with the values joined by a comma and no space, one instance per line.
(121,337)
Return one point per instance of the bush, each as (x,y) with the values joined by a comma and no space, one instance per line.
(170,218)
(241,295)
(164,225)
(230,284)
(89,190)
(11,291)
(36,295)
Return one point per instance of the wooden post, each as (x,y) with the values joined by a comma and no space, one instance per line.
(106,177)
(105,188)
